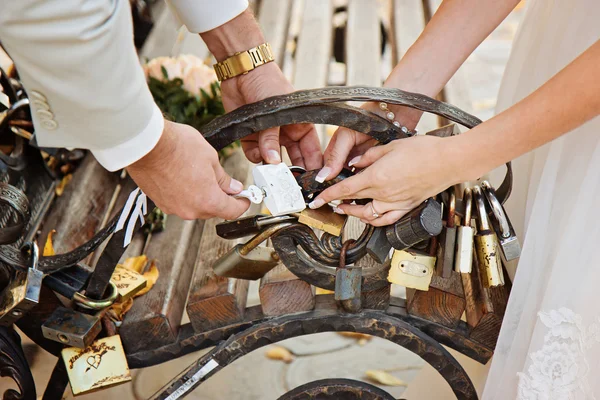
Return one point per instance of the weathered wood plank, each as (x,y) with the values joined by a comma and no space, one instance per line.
(217,300)
(363,35)
(155,317)
(456,91)
(274,17)
(435,305)
(378,299)
(408,23)
(163,36)
(79,213)
(314,45)
(485,307)
(282,292)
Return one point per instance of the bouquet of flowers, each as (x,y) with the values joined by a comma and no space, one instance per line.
(185,89)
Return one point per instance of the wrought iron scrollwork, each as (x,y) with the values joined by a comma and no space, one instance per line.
(14,365)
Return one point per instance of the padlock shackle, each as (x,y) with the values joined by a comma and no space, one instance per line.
(468,202)
(497,209)
(262,236)
(484,223)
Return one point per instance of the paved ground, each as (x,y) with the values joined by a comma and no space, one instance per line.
(327,354)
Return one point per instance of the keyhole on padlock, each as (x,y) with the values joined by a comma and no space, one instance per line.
(63,338)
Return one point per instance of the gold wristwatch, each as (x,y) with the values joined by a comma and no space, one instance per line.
(244,62)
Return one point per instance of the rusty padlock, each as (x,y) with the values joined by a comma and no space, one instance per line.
(348,282)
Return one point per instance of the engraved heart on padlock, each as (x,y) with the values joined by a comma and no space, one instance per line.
(94,361)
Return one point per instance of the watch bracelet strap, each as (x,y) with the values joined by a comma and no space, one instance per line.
(243,62)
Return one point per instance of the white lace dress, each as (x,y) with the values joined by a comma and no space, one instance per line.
(549,345)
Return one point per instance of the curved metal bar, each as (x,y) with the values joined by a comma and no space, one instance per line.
(16,200)
(55,263)
(221,131)
(335,389)
(14,365)
(320,275)
(280,328)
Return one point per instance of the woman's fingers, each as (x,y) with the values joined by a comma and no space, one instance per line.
(350,188)
(388,218)
(367,212)
(370,156)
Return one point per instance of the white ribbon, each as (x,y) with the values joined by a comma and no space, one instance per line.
(133,212)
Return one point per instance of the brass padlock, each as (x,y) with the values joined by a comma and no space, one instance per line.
(100,365)
(323,219)
(249,261)
(413,269)
(22,292)
(486,246)
(464,238)
(72,328)
(128,282)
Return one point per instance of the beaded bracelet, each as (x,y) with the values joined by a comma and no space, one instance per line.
(390,116)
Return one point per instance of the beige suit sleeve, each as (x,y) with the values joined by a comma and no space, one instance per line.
(80,68)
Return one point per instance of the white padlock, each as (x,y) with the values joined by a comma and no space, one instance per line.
(283,195)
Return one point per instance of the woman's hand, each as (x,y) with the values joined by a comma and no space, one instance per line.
(398,177)
(347,144)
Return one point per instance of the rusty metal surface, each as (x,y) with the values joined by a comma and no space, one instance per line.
(189,341)
(276,329)
(337,389)
(310,267)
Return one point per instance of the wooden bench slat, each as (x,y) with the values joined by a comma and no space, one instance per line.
(155,317)
(274,18)
(282,292)
(363,35)
(216,300)
(163,36)
(408,23)
(78,214)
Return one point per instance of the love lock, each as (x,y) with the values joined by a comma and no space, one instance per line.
(23,291)
(348,282)
(248,261)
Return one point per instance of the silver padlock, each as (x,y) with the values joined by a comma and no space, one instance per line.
(509,243)
(71,328)
(23,291)
(248,260)
(464,237)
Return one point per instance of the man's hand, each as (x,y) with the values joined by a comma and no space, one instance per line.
(301,141)
(182,175)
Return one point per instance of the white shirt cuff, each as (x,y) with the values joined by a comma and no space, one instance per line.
(126,153)
(203,15)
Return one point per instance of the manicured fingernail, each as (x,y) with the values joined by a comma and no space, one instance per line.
(323,173)
(236,186)
(273,157)
(355,160)
(316,204)
(338,211)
